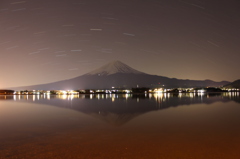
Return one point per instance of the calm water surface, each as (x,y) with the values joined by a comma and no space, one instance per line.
(120,126)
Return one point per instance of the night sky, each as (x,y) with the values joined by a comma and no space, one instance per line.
(44,41)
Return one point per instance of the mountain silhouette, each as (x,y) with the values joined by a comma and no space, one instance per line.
(235,84)
(119,75)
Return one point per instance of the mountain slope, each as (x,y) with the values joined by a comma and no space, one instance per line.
(113,68)
(235,84)
(119,75)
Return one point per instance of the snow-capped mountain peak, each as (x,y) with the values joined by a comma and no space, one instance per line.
(113,68)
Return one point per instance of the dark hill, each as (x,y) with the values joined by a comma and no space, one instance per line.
(235,84)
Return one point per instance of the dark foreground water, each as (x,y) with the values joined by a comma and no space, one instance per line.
(164,126)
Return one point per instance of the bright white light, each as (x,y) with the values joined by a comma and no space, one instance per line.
(201,91)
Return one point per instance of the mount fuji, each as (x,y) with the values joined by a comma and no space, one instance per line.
(119,75)
(114,68)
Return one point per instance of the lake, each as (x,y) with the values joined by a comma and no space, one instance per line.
(161,126)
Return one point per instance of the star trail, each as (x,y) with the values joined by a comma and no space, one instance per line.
(46,41)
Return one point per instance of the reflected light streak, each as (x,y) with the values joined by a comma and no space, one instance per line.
(70,97)
(63,96)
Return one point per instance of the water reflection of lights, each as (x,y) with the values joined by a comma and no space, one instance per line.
(232,94)
(70,97)
(200,94)
(126,96)
(191,95)
(150,95)
(158,95)
(168,95)
(63,96)
(180,95)
(113,97)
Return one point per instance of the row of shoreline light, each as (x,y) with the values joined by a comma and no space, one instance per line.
(118,91)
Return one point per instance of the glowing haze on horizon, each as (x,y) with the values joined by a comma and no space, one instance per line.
(44,41)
